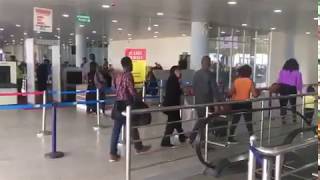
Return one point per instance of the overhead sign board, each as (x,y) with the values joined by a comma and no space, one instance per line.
(83,19)
(42,19)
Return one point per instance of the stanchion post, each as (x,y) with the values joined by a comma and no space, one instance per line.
(161,92)
(270,119)
(206,137)
(144,92)
(44,131)
(54,154)
(98,126)
(252,160)
(302,112)
(262,123)
(128,144)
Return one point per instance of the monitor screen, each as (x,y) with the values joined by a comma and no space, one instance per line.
(5,75)
(74,77)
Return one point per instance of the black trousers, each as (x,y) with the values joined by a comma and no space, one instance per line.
(92,107)
(102,96)
(286,90)
(174,121)
(246,108)
(19,85)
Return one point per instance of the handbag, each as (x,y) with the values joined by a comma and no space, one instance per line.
(118,108)
(274,88)
(140,119)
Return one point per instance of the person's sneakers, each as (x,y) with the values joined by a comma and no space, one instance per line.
(114,158)
(232,141)
(144,149)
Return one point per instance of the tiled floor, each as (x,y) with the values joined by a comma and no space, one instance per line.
(22,152)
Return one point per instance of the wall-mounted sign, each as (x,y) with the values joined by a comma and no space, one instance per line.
(42,19)
(139,61)
(83,19)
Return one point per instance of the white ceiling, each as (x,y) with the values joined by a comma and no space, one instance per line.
(134,15)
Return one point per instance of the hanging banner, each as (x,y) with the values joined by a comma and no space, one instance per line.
(139,61)
(42,19)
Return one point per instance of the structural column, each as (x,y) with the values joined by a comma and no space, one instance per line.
(81,47)
(199,43)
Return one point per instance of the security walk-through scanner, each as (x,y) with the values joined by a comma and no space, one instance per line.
(35,50)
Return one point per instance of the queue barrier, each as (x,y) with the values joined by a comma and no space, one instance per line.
(263,127)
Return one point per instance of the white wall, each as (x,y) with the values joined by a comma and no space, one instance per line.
(165,51)
(300,46)
(17,50)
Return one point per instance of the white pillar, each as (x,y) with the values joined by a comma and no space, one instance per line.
(199,43)
(81,48)
(30,60)
(56,75)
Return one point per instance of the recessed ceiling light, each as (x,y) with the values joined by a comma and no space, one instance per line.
(273,28)
(1,29)
(104,36)
(120,29)
(244,25)
(160,14)
(87,37)
(308,33)
(114,21)
(21,39)
(222,32)
(156,32)
(71,34)
(66,15)
(155,36)
(156,25)
(94,32)
(277,11)
(129,38)
(11,35)
(105,6)
(81,25)
(232,2)
(18,25)
(129,34)
(25,33)
(58,37)
(40,37)
(58,29)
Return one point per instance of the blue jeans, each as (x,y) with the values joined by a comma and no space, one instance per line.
(118,124)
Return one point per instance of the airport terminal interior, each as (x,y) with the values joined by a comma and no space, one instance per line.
(159,89)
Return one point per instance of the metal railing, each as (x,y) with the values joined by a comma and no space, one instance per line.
(129,112)
(274,157)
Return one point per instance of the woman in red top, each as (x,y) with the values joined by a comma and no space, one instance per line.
(126,93)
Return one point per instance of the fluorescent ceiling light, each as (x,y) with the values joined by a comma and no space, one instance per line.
(156,25)
(316,18)
(71,34)
(1,29)
(129,38)
(18,25)
(58,29)
(222,32)
(244,25)
(160,14)
(66,15)
(94,32)
(278,11)
(120,29)
(81,25)
(114,21)
(25,33)
(156,32)
(106,6)
(232,2)
(11,35)
(129,34)
(308,33)
(273,28)
(155,36)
